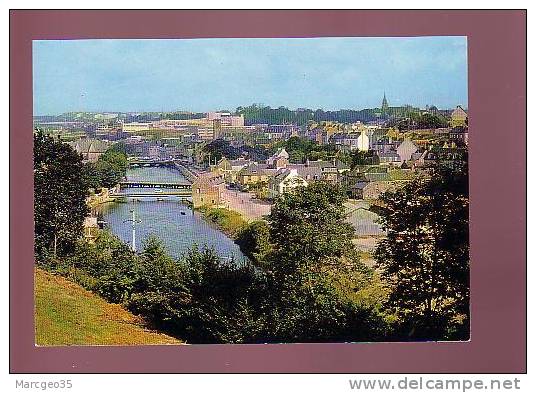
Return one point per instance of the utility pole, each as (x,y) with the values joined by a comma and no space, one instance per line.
(133,230)
(134,221)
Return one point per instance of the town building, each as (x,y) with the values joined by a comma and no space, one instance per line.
(374,189)
(376,173)
(425,159)
(309,173)
(330,170)
(363,141)
(252,174)
(207,189)
(226,119)
(406,150)
(365,222)
(279,159)
(459,134)
(230,168)
(345,141)
(385,104)
(135,127)
(91,228)
(285,181)
(458,117)
(389,157)
(282,131)
(90,149)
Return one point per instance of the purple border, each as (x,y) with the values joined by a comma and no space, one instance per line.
(497,97)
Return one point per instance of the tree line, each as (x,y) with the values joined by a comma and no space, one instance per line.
(262,114)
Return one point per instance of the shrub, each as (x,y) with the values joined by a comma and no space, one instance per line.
(254,241)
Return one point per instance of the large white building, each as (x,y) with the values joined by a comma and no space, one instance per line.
(226,119)
(136,127)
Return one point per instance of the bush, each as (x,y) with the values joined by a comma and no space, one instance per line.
(204,299)
(254,241)
(228,221)
(319,314)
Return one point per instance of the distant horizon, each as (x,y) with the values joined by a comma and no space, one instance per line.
(195,75)
(243,106)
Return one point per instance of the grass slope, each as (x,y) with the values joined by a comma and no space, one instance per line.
(67,314)
(227,221)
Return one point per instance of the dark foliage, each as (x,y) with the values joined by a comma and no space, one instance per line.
(60,192)
(110,168)
(285,297)
(302,149)
(359,158)
(417,121)
(260,114)
(254,241)
(425,255)
(215,150)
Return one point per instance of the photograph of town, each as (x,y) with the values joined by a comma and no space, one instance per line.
(278,190)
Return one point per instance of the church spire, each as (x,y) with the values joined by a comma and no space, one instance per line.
(385,104)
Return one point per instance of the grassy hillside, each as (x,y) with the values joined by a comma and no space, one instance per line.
(67,314)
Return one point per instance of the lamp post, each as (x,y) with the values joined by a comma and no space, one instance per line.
(134,221)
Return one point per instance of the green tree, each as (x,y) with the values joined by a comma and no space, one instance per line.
(254,241)
(311,252)
(308,228)
(429,120)
(301,149)
(359,158)
(425,255)
(60,192)
(199,298)
(110,168)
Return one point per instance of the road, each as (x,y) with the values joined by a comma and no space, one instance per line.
(244,203)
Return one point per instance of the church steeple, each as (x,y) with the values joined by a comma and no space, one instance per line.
(385,104)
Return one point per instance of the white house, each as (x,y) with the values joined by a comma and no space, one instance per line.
(363,141)
(406,150)
(285,181)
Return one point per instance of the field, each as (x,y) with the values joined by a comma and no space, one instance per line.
(67,314)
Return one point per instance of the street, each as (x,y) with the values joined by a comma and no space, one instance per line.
(242,202)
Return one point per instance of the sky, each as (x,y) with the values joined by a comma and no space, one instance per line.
(214,74)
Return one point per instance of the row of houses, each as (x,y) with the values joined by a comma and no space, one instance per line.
(277,175)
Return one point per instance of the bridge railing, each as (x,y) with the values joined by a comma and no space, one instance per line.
(133,184)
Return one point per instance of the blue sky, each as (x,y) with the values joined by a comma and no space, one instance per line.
(212,74)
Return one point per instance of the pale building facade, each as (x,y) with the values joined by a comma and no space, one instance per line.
(284,182)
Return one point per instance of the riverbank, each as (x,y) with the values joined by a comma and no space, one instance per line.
(230,222)
(104,196)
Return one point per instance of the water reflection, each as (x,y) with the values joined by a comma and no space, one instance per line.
(169,219)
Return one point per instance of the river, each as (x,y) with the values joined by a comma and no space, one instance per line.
(169,219)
